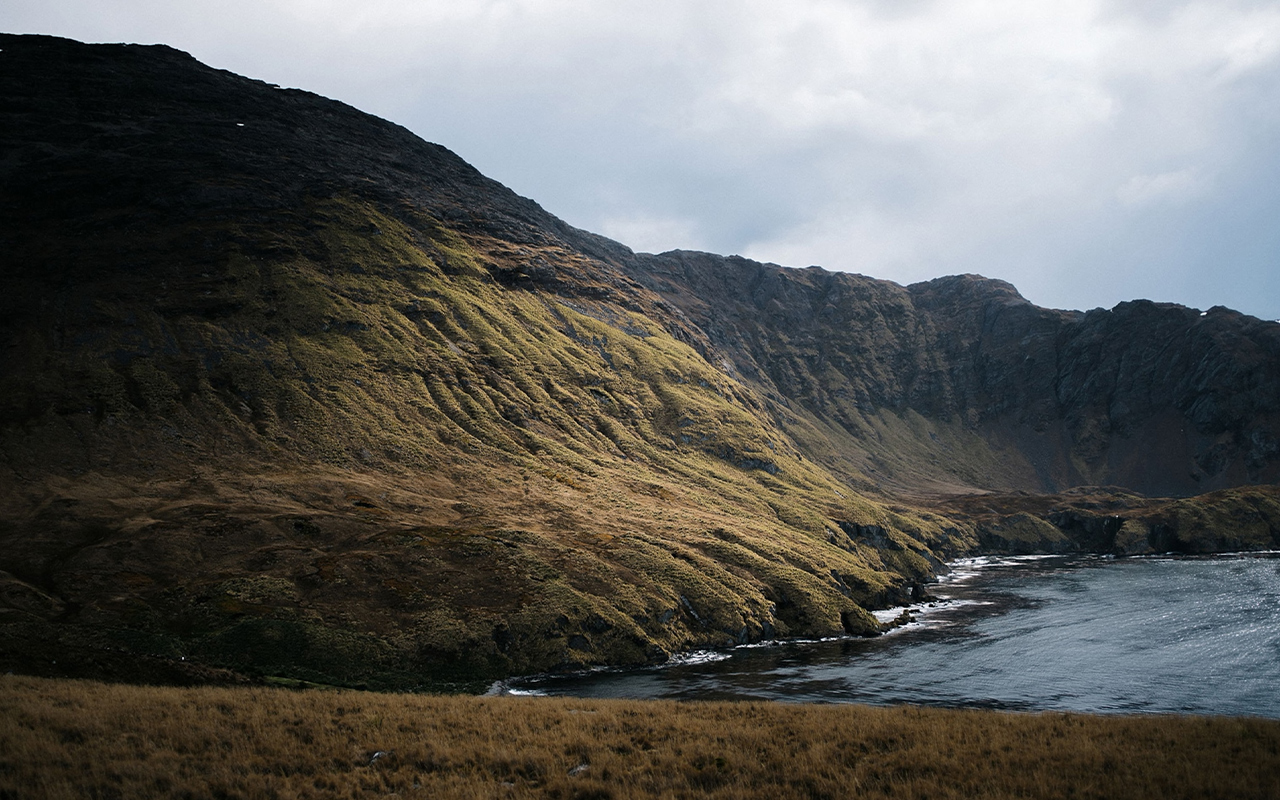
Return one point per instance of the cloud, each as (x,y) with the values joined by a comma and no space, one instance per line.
(1062,146)
(1176,186)
(652,234)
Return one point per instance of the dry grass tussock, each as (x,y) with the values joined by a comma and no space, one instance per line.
(83,739)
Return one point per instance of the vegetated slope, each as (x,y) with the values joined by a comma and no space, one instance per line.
(288,391)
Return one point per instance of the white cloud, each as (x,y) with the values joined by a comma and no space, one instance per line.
(650,234)
(1176,186)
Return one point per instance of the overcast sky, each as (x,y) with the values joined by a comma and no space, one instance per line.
(1088,152)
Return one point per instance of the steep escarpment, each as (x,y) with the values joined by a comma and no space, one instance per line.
(1157,397)
(287,391)
(960,382)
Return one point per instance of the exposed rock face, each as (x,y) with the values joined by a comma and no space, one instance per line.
(285,390)
(1111,520)
(1155,397)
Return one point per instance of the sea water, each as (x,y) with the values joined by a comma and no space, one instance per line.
(1157,634)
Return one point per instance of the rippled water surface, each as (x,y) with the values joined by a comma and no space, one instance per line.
(1197,635)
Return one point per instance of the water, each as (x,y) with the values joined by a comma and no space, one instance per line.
(1187,635)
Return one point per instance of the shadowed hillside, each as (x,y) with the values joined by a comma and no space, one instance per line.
(959,383)
(287,391)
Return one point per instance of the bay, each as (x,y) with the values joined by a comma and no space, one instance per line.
(1159,634)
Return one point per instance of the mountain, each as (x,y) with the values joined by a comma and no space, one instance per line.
(289,392)
(984,390)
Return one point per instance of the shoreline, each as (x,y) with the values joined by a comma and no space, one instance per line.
(505,686)
(928,619)
(885,616)
(958,570)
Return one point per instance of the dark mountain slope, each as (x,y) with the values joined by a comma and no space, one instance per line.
(285,390)
(961,382)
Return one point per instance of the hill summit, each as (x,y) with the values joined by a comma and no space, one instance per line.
(289,392)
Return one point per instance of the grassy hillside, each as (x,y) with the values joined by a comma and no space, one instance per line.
(266,415)
(399,465)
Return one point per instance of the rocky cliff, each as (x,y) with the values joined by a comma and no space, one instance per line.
(983,390)
(287,391)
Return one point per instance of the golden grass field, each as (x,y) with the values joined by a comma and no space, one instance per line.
(80,739)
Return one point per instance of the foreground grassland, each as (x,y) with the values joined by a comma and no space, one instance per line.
(84,739)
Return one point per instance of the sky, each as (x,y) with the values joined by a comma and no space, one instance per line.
(1087,151)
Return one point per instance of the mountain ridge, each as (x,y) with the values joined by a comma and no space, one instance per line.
(964,348)
(289,392)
